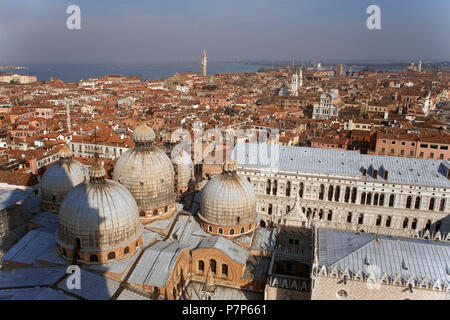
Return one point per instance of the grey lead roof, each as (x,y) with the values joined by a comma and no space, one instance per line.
(156,264)
(234,251)
(358,251)
(424,172)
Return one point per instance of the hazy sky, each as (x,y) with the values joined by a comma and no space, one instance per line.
(177,30)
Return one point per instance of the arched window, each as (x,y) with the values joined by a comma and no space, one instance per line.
(321,191)
(405,223)
(142,213)
(417,204)
(210,228)
(408,202)
(388,221)
(288,189)
(111,255)
(349,217)
(361,219)
(375,199)
(369,198)
(231,231)
(347,194)
(269,210)
(242,230)
(93,258)
(414,224)
(381,202)
(166,208)
(300,192)
(431,206)
(268,186)
(126,250)
(275,187)
(224,270)
(337,193)
(378,223)
(213,264)
(354,194)
(201,266)
(330,215)
(442,205)
(428,225)
(155,212)
(391,200)
(220,230)
(330,193)
(363,198)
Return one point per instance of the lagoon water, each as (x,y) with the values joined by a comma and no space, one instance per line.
(76,72)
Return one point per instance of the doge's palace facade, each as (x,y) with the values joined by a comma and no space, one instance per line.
(348,191)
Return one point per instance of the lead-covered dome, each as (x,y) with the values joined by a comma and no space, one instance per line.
(59,179)
(147,172)
(98,220)
(183,168)
(228,204)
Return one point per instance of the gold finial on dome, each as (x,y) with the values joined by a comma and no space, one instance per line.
(97,171)
(143,134)
(65,152)
(229,166)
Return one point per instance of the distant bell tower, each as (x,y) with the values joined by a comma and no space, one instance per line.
(204,63)
(419,68)
(294,85)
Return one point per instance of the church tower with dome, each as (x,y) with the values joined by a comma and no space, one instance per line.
(147,172)
(228,204)
(98,221)
(59,179)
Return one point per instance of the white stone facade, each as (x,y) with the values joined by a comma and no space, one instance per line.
(349,203)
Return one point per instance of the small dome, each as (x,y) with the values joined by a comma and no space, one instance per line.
(97,170)
(65,152)
(143,134)
(58,180)
(183,167)
(100,214)
(228,200)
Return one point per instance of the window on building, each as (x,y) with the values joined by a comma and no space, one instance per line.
(330,215)
(431,205)
(225,270)
(330,193)
(378,222)
(361,219)
(391,200)
(201,266)
(349,217)
(388,221)
(417,204)
(212,265)
(405,223)
(408,202)
(442,205)
(414,224)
